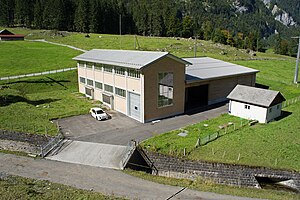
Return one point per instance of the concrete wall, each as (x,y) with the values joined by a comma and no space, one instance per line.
(229,174)
(151,109)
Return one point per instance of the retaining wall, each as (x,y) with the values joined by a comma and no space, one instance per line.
(229,174)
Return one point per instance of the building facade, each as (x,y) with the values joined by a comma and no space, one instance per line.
(148,86)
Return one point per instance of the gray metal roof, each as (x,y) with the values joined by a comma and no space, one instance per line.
(256,96)
(209,68)
(125,58)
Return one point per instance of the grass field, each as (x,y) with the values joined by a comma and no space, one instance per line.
(28,104)
(13,187)
(24,57)
(208,186)
(275,145)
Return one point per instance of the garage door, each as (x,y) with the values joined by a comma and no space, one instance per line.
(134,106)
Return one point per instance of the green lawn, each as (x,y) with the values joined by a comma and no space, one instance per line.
(208,186)
(24,57)
(13,187)
(28,104)
(275,145)
(172,143)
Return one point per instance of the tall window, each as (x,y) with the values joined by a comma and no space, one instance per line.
(90,82)
(165,89)
(89,65)
(108,68)
(98,85)
(98,67)
(133,73)
(81,64)
(120,70)
(120,92)
(82,80)
(108,88)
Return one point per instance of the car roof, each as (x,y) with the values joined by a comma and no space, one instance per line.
(96,109)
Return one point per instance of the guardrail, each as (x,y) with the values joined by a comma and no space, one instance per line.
(37,74)
(52,144)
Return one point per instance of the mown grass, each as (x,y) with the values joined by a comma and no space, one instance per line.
(24,57)
(209,186)
(173,144)
(13,187)
(274,145)
(277,74)
(29,104)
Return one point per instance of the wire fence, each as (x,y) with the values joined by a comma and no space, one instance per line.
(37,74)
(290,102)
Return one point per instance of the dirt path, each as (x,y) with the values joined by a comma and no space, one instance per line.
(59,44)
(106,181)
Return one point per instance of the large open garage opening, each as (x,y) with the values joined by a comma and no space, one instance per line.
(196,97)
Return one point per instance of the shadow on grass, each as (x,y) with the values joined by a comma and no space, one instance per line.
(51,81)
(284,114)
(11,99)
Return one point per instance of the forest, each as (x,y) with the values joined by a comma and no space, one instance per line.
(217,20)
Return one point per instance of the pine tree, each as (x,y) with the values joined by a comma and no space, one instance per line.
(38,14)
(81,20)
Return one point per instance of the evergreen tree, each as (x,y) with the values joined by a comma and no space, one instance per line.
(38,16)
(81,20)
(7,12)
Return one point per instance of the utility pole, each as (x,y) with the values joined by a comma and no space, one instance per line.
(120,27)
(195,47)
(297,62)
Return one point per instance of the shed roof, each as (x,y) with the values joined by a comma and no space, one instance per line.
(125,58)
(11,36)
(5,32)
(256,96)
(206,68)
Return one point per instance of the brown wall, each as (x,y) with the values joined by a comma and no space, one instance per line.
(151,110)
(219,89)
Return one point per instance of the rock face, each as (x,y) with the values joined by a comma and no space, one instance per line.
(282,16)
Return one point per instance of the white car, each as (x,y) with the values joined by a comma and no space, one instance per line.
(98,114)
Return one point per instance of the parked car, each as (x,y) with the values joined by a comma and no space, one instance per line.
(98,114)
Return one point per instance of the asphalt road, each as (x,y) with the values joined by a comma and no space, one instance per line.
(121,129)
(106,181)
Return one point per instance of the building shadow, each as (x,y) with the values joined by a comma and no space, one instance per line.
(283,115)
(11,99)
(258,85)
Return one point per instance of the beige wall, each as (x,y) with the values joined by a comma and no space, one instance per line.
(151,110)
(120,104)
(134,85)
(98,76)
(120,81)
(108,78)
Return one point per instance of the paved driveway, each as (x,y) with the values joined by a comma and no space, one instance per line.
(121,129)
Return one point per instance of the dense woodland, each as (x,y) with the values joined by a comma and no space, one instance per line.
(216,20)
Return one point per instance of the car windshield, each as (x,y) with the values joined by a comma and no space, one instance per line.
(99,111)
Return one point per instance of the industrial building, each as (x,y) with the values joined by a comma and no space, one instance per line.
(147,85)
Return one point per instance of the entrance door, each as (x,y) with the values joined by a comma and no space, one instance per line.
(134,109)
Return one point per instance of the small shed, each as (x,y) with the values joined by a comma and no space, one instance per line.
(255,103)
(6,35)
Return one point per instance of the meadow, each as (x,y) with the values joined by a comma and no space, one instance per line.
(25,57)
(29,104)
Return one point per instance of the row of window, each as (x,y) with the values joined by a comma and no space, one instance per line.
(109,68)
(107,88)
